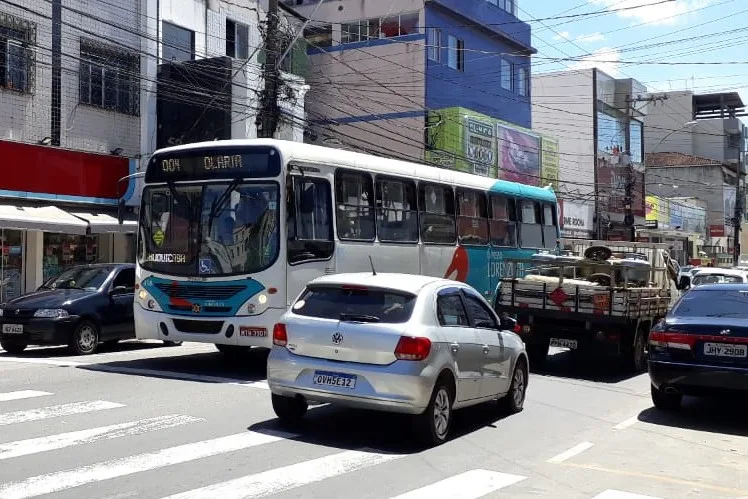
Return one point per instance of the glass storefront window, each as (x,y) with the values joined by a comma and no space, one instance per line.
(11,264)
(62,251)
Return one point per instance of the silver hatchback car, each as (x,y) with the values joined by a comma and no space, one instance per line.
(394,342)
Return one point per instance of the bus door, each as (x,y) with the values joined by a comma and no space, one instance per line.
(309,228)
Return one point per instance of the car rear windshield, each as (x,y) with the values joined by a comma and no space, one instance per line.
(716,279)
(713,303)
(355,304)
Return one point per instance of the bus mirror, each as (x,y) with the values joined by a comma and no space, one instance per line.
(121,211)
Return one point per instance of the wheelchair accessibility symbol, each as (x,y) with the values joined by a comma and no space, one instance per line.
(204,266)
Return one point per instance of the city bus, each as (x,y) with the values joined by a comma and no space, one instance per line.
(231,231)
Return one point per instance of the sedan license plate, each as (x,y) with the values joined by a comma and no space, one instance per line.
(12,328)
(564,343)
(325,378)
(726,350)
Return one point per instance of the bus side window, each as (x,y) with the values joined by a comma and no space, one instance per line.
(437,213)
(309,223)
(503,223)
(354,200)
(472,217)
(550,234)
(397,213)
(531,230)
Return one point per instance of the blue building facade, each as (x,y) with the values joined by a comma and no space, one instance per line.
(479,58)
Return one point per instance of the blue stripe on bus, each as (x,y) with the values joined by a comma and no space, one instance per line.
(251,287)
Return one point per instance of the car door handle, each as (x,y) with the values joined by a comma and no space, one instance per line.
(486,349)
(454,346)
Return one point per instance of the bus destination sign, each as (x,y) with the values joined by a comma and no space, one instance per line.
(214,163)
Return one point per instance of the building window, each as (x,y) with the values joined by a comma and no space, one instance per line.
(109,78)
(455,53)
(237,40)
(16,57)
(434,41)
(524,82)
(374,28)
(507,75)
(319,36)
(62,251)
(507,5)
(177,43)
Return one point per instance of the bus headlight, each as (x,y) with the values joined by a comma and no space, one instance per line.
(256,305)
(147,302)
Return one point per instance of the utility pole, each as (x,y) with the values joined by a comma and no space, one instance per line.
(737,222)
(628,201)
(269,113)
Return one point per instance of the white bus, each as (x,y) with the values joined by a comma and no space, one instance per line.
(231,231)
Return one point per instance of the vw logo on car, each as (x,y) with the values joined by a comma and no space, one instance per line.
(337,338)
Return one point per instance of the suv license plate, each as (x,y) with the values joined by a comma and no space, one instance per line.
(725,350)
(564,343)
(12,328)
(339,380)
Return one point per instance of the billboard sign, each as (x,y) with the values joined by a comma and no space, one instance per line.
(519,155)
(480,146)
(549,162)
(576,219)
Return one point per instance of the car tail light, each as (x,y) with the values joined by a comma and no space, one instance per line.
(412,348)
(672,339)
(280,336)
(517,328)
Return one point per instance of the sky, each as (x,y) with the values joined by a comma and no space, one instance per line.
(624,34)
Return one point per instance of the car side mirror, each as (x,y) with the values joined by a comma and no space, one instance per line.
(508,323)
(119,290)
(485,324)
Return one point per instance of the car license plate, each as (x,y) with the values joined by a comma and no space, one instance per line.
(564,343)
(725,350)
(259,332)
(325,378)
(12,328)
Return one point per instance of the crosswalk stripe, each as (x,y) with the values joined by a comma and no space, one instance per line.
(290,477)
(618,494)
(22,394)
(54,442)
(68,479)
(469,485)
(55,411)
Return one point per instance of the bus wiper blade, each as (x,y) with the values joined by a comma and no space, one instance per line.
(358,318)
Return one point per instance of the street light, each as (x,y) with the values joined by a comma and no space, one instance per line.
(687,124)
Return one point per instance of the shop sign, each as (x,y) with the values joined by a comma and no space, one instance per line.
(480,145)
(716,231)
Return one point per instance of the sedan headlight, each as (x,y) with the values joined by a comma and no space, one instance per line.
(51,313)
(1,312)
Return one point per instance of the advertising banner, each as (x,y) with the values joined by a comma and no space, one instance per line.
(728,197)
(657,208)
(549,162)
(519,156)
(576,219)
(480,146)
(612,189)
(676,215)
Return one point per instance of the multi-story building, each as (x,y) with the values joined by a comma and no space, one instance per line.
(697,143)
(598,122)
(387,77)
(71,108)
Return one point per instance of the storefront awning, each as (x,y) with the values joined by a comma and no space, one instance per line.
(45,218)
(102,223)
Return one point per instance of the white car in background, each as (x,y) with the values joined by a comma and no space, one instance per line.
(716,275)
(394,342)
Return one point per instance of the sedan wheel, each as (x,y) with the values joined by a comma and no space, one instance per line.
(13,347)
(85,339)
(515,399)
(434,423)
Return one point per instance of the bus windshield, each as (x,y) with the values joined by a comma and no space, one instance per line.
(221,228)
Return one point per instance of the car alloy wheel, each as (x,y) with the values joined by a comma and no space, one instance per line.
(442,413)
(85,338)
(518,385)
(514,401)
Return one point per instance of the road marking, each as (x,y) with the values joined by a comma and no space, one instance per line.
(617,494)
(63,480)
(660,478)
(56,411)
(22,394)
(94,366)
(576,450)
(63,440)
(625,424)
(289,477)
(469,485)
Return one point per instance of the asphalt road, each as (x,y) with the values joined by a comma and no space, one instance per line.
(142,420)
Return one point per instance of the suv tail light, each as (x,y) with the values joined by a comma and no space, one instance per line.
(280,336)
(672,339)
(412,348)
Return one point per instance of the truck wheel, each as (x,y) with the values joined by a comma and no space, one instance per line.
(636,354)
(538,352)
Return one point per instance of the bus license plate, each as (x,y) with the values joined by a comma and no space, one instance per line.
(339,380)
(253,332)
(12,328)
(725,350)
(564,343)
